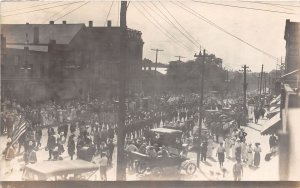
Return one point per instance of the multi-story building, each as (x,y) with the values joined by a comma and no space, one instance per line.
(292,60)
(61,61)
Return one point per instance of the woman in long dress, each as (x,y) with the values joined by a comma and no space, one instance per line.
(233,148)
(227,147)
(244,151)
(257,151)
(210,147)
(249,155)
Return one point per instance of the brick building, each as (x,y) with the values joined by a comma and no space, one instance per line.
(292,61)
(62,61)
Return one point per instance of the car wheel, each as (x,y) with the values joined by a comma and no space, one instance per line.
(190,168)
(157,171)
(141,167)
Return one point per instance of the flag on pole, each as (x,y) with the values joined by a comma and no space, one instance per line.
(19,129)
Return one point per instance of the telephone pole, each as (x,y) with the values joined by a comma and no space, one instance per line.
(121,164)
(156,50)
(261,76)
(201,100)
(265,83)
(179,57)
(245,67)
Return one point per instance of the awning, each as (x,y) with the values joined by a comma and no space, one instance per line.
(276,99)
(272,125)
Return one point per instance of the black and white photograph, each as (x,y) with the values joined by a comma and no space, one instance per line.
(193,90)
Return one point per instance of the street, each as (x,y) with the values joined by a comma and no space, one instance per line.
(209,170)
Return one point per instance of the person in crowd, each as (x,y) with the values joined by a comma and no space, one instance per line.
(249,155)
(221,154)
(244,151)
(52,142)
(272,141)
(204,150)
(60,143)
(38,137)
(256,114)
(233,146)
(8,154)
(257,151)
(163,152)
(210,146)
(30,154)
(103,167)
(131,148)
(71,146)
(227,147)
(142,148)
(110,149)
(238,150)
(151,152)
(237,171)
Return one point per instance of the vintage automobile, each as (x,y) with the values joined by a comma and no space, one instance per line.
(172,140)
(59,170)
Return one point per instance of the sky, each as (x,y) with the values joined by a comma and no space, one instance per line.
(177,31)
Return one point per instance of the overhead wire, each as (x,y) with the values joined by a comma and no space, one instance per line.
(270,4)
(242,7)
(73,10)
(199,45)
(168,20)
(24,8)
(111,5)
(163,30)
(57,13)
(38,9)
(198,15)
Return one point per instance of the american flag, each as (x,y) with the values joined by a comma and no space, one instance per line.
(20,126)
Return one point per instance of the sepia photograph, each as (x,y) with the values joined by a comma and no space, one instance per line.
(193,90)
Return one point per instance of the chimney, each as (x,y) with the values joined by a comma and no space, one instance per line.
(51,22)
(64,22)
(109,23)
(36,35)
(27,23)
(90,23)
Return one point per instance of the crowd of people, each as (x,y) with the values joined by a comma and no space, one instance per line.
(88,129)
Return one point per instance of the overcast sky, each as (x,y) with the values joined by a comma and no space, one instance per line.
(262,29)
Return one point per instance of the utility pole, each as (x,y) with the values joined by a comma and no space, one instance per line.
(155,87)
(201,101)
(261,76)
(245,67)
(269,84)
(156,50)
(121,164)
(179,57)
(265,83)
(258,85)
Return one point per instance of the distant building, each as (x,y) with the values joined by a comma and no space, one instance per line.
(292,60)
(61,61)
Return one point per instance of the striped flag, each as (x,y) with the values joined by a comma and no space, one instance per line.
(20,127)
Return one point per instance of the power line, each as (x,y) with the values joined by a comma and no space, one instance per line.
(241,7)
(30,7)
(199,45)
(172,36)
(160,29)
(72,11)
(39,9)
(198,15)
(193,42)
(56,13)
(112,3)
(275,5)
